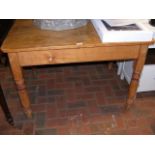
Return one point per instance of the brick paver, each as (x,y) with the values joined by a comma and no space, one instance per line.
(76,99)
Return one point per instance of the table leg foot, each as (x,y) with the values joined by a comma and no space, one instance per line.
(10,121)
(129,103)
(28,113)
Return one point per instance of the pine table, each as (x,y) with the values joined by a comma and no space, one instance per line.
(27,45)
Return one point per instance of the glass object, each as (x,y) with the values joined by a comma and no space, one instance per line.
(59,24)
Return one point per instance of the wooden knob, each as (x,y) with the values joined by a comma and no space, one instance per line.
(50,59)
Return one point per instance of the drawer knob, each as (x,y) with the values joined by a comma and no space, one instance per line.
(50,59)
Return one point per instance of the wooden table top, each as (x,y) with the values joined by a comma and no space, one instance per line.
(24,36)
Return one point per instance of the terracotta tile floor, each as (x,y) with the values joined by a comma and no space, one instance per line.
(76,99)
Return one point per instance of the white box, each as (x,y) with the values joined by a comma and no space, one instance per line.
(122,36)
(147,79)
(151,28)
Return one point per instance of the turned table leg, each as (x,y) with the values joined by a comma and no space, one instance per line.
(19,80)
(138,66)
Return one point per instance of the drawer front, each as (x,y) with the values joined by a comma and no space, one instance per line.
(78,55)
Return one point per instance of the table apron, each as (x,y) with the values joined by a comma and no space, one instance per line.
(78,55)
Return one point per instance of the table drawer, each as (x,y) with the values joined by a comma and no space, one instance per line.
(78,55)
